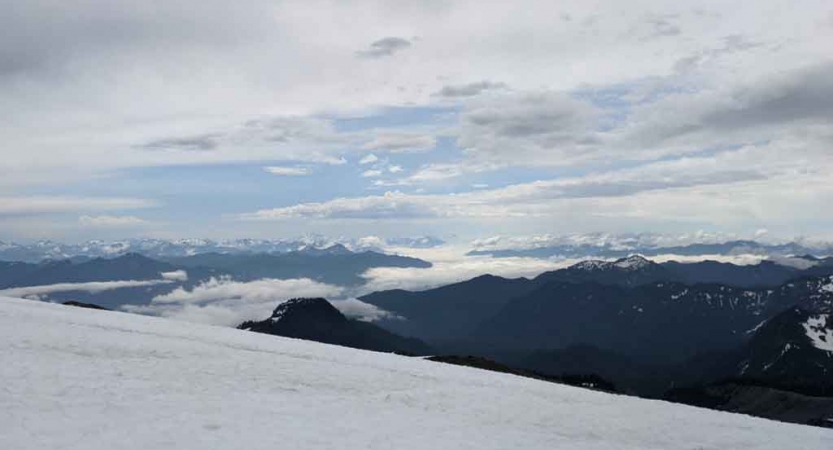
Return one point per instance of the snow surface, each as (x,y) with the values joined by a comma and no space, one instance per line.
(75,378)
(820,335)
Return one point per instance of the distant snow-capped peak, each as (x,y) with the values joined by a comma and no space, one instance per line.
(631,263)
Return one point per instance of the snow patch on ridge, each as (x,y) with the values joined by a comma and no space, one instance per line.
(820,335)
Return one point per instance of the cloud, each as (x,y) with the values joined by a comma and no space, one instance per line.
(796,263)
(384,47)
(223,301)
(371,173)
(92,287)
(176,275)
(451,265)
(52,204)
(525,199)
(369,159)
(395,169)
(357,309)
(469,90)
(204,142)
(531,128)
(287,171)
(111,221)
(401,143)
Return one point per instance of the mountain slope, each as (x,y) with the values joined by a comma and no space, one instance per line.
(315,319)
(669,321)
(792,348)
(631,271)
(106,380)
(448,312)
(759,400)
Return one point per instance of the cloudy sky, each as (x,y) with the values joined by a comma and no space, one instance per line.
(185,118)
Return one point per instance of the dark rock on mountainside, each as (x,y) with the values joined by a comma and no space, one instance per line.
(315,319)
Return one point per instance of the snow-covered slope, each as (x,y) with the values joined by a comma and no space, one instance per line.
(74,378)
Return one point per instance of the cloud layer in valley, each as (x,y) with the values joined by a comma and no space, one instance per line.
(224,301)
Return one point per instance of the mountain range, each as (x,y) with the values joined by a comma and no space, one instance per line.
(135,279)
(645,327)
(454,312)
(177,248)
(621,250)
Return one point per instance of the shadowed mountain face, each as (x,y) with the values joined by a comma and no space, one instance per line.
(632,305)
(315,319)
(671,321)
(449,312)
(792,348)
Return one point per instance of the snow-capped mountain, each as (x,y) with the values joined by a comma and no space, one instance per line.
(106,380)
(160,248)
(633,270)
(618,246)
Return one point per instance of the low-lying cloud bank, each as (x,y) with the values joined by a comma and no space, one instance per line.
(452,265)
(92,287)
(224,301)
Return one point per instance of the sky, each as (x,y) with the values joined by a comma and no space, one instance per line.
(459,119)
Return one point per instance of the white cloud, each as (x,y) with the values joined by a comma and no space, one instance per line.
(111,221)
(176,275)
(371,173)
(395,169)
(91,287)
(732,188)
(287,171)
(636,85)
(451,265)
(223,301)
(49,204)
(369,159)
(357,309)
(601,46)
(401,142)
